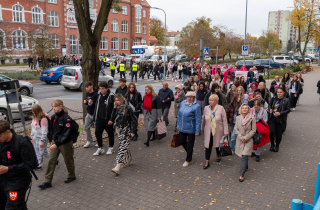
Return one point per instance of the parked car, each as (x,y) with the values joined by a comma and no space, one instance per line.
(284,59)
(26,88)
(249,64)
(299,58)
(52,74)
(180,58)
(158,58)
(269,62)
(26,105)
(313,59)
(72,78)
(113,58)
(206,58)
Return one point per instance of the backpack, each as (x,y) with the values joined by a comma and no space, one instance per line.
(74,130)
(49,134)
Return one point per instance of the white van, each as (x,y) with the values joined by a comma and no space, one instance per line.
(285,59)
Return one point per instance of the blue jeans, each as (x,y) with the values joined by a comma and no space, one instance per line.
(112,72)
(133,74)
(161,76)
(122,73)
(185,77)
(233,138)
(258,151)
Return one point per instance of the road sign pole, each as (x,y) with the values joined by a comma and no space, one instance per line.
(217,56)
(201,50)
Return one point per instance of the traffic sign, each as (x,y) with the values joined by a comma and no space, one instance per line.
(206,51)
(315,50)
(318,48)
(138,51)
(245,49)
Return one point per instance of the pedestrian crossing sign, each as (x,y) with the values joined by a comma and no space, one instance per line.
(206,51)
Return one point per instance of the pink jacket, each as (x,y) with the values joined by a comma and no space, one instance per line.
(214,71)
(243,69)
(225,75)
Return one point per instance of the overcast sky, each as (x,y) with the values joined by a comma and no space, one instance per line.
(230,13)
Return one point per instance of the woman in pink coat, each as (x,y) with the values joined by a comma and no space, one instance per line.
(244,68)
(225,75)
(214,70)
(214,126)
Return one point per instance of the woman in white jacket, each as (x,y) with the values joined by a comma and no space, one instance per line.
(39,130)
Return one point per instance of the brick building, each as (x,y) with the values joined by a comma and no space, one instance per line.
(19,18)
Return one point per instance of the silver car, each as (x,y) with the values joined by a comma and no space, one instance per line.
(26,105)
(26,88)
(72,78)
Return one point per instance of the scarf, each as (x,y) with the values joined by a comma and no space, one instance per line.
(213,119)
(121,111)
(177,95)
(147,102)
(192,103)
(244,121)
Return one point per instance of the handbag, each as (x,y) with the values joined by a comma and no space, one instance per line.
(226,149)
(176,140)
(161,127)
(256,137)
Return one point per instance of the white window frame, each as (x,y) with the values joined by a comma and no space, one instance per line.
(136,41)
(73,42)
(19,39)
(105,28)
(0,13)
(52,1)
(114,25)
(4,39)
(17,11)
(143,42)
(125,44)
(104,43)
(124,10)
(56,40)
(124,26)
(91,3)
(138,19)
(144,13)
(38,13)
(144,28)
(50,16)
(115,43)
(113,10)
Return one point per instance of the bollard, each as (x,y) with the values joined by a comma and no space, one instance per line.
(297,204)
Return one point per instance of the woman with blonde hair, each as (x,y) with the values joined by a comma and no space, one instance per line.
(214,126)
(240,91)
(151,109)
(245,128)
(39,131)
(124,119)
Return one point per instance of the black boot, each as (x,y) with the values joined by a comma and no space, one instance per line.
(257,158)
(146,143)
(276,149)
(271,148)
(253,154)
(45,185)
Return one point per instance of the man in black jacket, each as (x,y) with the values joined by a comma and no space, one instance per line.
(215,89)
(123,89)
(166,96)
(185,72)
(90,101)
(157,71)
(102,115)
(15,167)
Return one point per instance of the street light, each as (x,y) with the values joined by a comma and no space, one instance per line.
(245,31)
(165,39)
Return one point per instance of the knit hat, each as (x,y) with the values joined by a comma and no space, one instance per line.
(244,65)
(178,86)
(190,93)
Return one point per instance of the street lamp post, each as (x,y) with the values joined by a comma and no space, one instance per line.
(245,31)
(165,39)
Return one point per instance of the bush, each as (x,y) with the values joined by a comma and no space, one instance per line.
(296,67)
(278,72)
(23,75)
(228,60)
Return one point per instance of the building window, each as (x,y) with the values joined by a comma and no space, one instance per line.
(144,13)
(105,27)
(104,43)
(52,1)
(19,40)
(124,10)
(72,44)
(114,43)
(2,39)
(143,42)
(17,13)
(144,28)
(124,26)
(138,19)
(91,3)
(36,15)
(53,19)
(136,42)
(125,44)
(55,40)
(114,11)
(114,25)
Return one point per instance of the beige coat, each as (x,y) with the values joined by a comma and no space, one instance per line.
(221,125)
(244,148)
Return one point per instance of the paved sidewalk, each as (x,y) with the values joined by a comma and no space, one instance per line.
(157,180)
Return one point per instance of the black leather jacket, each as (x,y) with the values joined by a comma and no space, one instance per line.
(109,106)
(298,87)
(128,119)
(283,108)
(135,101)
(61,128)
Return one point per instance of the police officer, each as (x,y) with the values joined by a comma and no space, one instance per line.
(122,70)
(61,143)
(134,71)
(104,62)
(112,68)
(16,162)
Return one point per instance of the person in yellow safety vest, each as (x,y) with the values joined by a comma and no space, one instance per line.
(134,71)
(122,70)
(112,68)
(104,62)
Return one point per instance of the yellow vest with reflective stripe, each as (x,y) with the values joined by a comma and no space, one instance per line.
(122,68)
(104,60)
(112,67)
(135,67)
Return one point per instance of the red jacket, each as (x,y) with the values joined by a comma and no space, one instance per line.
(263,129)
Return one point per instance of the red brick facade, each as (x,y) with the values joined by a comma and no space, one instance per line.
(19,18)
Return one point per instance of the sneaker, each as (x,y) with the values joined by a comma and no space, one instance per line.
(87,145)
(97,145)
(39,168)
(297,104)
(185,164)
(110,151)
(172,79)
(99,151)
(293,109)
(175,81)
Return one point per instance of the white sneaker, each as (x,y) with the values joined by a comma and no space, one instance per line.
(293,109)
(110,151)
(175,81)
(87,145)
(99,151)
(97,145)
(172,79)
(185,164)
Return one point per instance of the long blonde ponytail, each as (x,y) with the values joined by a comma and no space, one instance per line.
(59,102)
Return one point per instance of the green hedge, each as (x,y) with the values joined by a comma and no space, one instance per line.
(23,75)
